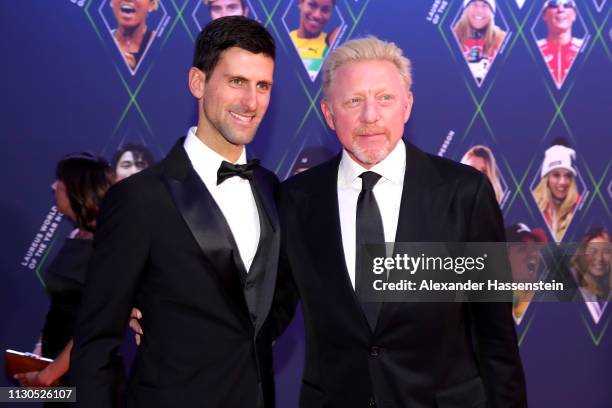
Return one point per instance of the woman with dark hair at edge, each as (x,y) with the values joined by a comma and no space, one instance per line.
(81,183)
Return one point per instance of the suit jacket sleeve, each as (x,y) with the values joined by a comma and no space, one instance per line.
(120,252)
(493,331)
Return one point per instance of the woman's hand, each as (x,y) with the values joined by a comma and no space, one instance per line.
(35,379)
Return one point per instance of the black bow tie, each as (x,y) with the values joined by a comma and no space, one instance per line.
(227,170)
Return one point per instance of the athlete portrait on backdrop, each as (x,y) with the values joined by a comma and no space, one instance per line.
(311,39)
(560,47)
(479,37)
(591,267)
(193,242)
(225,8)
(556,193)
(130,159)
(206,11)
(132,35)
(309,157)
(525,262)
(482,159)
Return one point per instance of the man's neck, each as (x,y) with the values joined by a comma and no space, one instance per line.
(561,38)
(217,143)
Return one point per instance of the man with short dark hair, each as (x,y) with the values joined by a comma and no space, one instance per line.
(193,242)
(225,8)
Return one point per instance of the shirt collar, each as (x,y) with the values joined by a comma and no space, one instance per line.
(392,168)
(204,160)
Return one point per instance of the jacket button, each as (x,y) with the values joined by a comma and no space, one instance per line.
(249,285)
(372,403)
(374,351)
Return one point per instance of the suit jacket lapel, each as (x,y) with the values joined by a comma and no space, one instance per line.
(325,238)
(423,206)
(266,194)
(206,223)
(263,189)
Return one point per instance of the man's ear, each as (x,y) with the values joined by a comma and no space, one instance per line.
(328,114)
(197,82)
(408,108)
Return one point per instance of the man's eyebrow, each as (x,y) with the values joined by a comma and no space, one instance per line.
(236,76)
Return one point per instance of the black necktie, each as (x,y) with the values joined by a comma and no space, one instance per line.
(369,231)
(227,170)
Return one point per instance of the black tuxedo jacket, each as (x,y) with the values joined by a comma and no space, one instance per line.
(163,245)
(420,354)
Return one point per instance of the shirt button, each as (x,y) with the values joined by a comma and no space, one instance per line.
(374,351)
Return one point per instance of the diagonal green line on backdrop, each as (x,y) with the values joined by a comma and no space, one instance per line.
(519,186)
(42,262)
(479,111)
(597,188)
(133,100)
(95,27)
(559,111)
(350,10)
(440,29)
(598,36)
(520,32)
(596,339)
(312,103)
(179,17)
(356,21)
(269,21)
(524,333)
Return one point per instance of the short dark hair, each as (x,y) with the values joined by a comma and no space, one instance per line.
(227,32)
(140,152)
(87,178)
(209,3)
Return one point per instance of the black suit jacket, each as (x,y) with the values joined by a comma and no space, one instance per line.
(163,244)
(420,354)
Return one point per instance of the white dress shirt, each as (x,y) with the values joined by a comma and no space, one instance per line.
(234,196)
(388,193)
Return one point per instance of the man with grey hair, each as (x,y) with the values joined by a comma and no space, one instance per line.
(382,188)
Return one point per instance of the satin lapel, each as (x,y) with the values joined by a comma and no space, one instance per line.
(207,225)
(264,190)
(422,208)
(325,238)
(266,194)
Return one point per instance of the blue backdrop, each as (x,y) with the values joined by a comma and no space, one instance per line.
(65,87)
